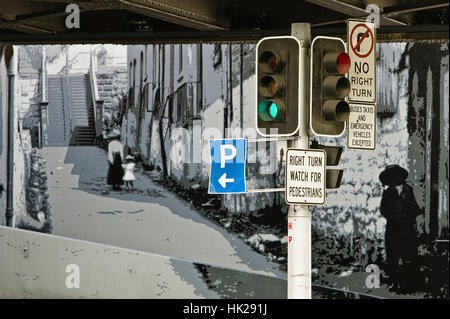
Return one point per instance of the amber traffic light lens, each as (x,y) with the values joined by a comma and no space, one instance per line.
(342,87)
(342,111)
(272,86)
(268,86)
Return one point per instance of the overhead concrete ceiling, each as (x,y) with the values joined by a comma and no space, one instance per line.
(212,20)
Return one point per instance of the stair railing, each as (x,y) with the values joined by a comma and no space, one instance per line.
(43,110)
(97,103)
(70,108)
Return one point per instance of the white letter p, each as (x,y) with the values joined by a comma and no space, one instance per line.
(223,156)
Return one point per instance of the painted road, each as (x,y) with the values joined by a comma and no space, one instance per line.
(150,219)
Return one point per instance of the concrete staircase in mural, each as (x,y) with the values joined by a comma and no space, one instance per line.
(70,106)
(58,130)
(82,110)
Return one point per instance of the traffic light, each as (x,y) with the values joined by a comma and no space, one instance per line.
(277,83)
(333,176)
(329,86)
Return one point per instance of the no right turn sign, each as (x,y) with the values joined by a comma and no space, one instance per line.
(362,72)
(361,37)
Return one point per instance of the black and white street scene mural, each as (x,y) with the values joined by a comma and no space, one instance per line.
(111,146)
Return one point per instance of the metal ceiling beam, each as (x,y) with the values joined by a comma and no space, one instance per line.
(23,28)
(352,11)
(413,7)
(439,33)
(46,14)
(19,18)
(52,1)
(198,14)
(33,26)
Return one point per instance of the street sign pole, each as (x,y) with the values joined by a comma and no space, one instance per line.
(299,217)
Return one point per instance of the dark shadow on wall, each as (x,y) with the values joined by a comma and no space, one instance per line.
(425,122)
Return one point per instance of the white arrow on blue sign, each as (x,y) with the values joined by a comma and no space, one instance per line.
(227,166)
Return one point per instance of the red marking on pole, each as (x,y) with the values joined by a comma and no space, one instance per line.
(290,239)
(290,225)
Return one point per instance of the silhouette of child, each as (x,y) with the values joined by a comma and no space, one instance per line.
(129,177)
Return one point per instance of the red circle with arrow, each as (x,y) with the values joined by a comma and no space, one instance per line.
(358,44)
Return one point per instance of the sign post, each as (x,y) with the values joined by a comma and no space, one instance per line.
(299,216)
(361,37)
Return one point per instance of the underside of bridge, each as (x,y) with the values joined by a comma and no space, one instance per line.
(126,21)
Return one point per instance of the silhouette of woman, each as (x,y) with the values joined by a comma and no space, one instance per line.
(399,207)
(115,170)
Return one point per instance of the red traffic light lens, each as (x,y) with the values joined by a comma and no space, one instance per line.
(273,62)
(269,61)
(343,63)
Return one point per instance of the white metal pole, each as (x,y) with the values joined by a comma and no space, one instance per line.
(299,217)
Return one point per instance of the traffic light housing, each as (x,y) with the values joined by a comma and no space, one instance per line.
(329,86)
(333,176)
(277,86)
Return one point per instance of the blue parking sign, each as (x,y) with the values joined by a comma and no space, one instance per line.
(227,166)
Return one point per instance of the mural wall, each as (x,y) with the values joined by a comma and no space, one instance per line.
(167,105)
(411,127)
(412,132)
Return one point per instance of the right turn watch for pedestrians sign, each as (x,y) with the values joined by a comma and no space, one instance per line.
(305,177)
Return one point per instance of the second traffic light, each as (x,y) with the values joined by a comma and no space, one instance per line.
(333,176)
(277,86)
(329,86)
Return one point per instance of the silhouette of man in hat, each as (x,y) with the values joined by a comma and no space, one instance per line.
(399,207)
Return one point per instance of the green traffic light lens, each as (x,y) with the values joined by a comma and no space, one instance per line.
(267,110)
(273,110)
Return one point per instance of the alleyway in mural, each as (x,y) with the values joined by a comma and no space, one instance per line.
(151,219)
(61,164)
(148,219)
